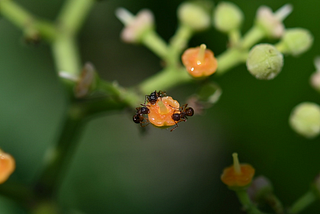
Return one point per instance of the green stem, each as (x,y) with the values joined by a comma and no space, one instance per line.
(275,203)
(164,80)
(155,43)
(246,202)
(230,58)
(303,202)
(126,97)
(24,20)
(73,15)
(179,42)
(66,55)
(17,192)
(254,35)
(58,157)
(282,47)
(234,37)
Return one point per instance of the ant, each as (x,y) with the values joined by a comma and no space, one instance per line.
(153,97)
(182,116)
(139,118)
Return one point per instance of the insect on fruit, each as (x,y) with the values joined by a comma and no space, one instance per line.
(153,97)
(184,111)
(139,118)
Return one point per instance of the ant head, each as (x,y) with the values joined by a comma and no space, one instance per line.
(144,110)
(176,117)
(189,111)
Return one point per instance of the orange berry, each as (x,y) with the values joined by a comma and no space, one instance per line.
(161,112)
(7,166)
(199,62)
(237,175)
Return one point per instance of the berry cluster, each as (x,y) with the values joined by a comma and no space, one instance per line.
(161,111)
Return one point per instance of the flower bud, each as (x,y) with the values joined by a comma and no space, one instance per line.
(7,166)
(264,61)
(260,187)
(305,119)
(227,17)
(271,23)
(135,27)
(295,41)
(315,77)
(195,15)
(87,81)
(315,81)
(238,175)
(199,62)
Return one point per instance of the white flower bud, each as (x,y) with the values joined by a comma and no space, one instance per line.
(264,61)
(305,119)
(135,27)
(271,22)
(227,17)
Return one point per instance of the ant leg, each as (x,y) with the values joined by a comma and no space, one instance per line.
(146,99)
(176,126)
(145,122)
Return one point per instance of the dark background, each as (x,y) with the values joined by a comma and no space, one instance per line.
(117,170)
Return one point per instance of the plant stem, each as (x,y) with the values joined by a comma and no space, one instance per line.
(178,42)
(230,58)
(126,97)
(64,48)
(307,199)
(155,43)
(164,80)
(275,203)
(254,35)
(17,192)
(66,55)
(246,202)
(58,157)
(234,37)
(24,20)
(73,15)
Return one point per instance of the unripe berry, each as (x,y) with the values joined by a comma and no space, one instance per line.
(305,119)
(295,41)
(227,17)
(264,61)
(194,15)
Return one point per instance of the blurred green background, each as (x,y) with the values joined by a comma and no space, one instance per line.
(117,170)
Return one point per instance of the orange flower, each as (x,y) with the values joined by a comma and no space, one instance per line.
(199,62)
(7,166)
(161,112)
(237,175)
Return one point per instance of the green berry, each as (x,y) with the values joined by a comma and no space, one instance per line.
(295,41)
(227,17)
(264,61)
(194,15)
(305,119)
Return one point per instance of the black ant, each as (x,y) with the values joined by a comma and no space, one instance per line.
(184,111)
(153,97)
(139,118)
